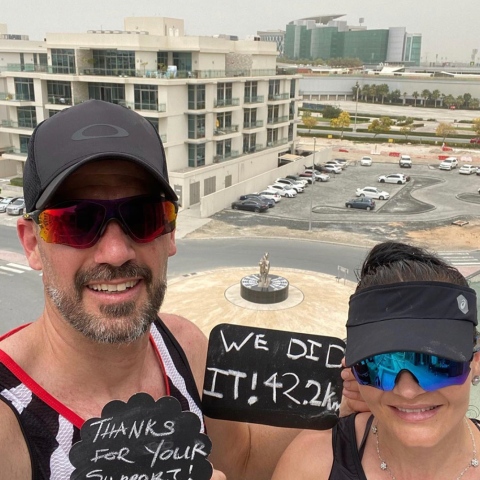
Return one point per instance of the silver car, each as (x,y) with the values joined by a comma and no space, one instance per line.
(17,207)
(5,202)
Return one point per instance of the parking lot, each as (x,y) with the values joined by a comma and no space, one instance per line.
(431,194)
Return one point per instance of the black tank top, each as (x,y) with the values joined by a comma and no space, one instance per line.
(50,428)
(347,458)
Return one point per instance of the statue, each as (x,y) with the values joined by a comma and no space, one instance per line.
(264,264)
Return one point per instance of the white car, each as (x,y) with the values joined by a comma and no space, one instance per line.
(398,178)
(467,169)
(271,194)
(337,163)
(366,161)
(449,163)
(372,192)
(298,186)
(332,168)
(283,190)
(319,177)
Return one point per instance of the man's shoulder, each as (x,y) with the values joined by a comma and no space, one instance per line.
(181,327)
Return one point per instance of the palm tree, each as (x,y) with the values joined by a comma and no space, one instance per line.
(405,97)
(426,94)
(415,95)
(383,90)
(435,96)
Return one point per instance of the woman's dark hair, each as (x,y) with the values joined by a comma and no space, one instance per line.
(393,262)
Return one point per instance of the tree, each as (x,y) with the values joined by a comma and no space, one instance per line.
(382,91)
(426,94)
(331,112)
(444,130)
(415,95)
(381,125)
(448,100)
(459,101)
(466,99)
(474,104)
(407,130)
(342,122)
(476,125)
(309,121)
(435,96)
(394,96)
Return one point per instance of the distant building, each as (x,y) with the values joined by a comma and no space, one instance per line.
(223,110)
(277,36)
(326,37)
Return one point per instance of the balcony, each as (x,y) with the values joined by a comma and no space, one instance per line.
(200,105)
(226,130)
(254,99)
(143,106)
(278,96)
(17,125)
(254,148)
(228,156)
(250,125)
(226,102)
(275,120)
(276,143)
(59,100)
(11,97)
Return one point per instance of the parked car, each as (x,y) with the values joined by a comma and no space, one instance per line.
(405,161)
(328,167)
(362,202)
(298,178)
(319,177)
(475,140)
(272,194)
(335,162)
(293,184)
(17,207)
(372,192)
(398,178)
(467,169)
(270,203)
(366,161)
(343,161)
(449,163)
(250,204)
(283,190)
(478,170)
(5,202)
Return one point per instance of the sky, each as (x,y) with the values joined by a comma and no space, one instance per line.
(449,30)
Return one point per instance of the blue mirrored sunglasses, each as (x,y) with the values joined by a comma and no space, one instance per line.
(431,372)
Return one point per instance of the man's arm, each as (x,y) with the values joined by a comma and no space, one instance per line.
(240,450)
(15,461)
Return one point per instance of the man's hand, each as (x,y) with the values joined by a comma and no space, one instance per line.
(352,401)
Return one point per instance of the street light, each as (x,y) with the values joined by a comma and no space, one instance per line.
(356,107)
(313,183)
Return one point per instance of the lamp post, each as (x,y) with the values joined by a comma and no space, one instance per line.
(356,107)
(313,183)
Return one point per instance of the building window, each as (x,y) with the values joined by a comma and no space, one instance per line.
(24,139)
(272,136)
(162,60)
(224,94)
(272,113)
(63,60)
(108,92)
(154,122)
(114,62)
(146,97)
(27,117)
(249,143)
(250,118)
(196,155)
(183,61)
(24,89)
(59,92)
(250,92)
(196,97)
(224,149)
(196,126)
(273,88)
(292,88)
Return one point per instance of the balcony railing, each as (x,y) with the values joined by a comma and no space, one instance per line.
(146,107)
(256,124)
(226,130)
(16,97)
(17,151)
(279,96)
(275,143)
(59,100)
(10,124)
(163,138)
(254,148)
(275,120)
(254,99)
(227,156)
(196,105)
(226,102)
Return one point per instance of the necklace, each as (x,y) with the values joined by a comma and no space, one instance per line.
(473,462)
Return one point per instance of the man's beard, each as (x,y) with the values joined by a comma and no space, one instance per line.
(116,324)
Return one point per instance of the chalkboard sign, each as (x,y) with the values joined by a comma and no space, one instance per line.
(142,439)
(273,377)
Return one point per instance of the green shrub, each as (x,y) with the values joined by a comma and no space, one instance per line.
(17,181)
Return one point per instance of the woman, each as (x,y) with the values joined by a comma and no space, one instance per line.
(411,338)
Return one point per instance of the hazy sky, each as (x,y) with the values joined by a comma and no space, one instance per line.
(450,30)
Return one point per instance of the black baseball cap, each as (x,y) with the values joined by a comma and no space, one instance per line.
(436,318)
(89,131)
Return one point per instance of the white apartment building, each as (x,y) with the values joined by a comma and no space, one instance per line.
(224,113)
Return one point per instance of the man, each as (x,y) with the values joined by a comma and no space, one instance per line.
(100,224)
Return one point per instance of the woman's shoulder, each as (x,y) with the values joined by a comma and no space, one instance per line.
(309,457)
